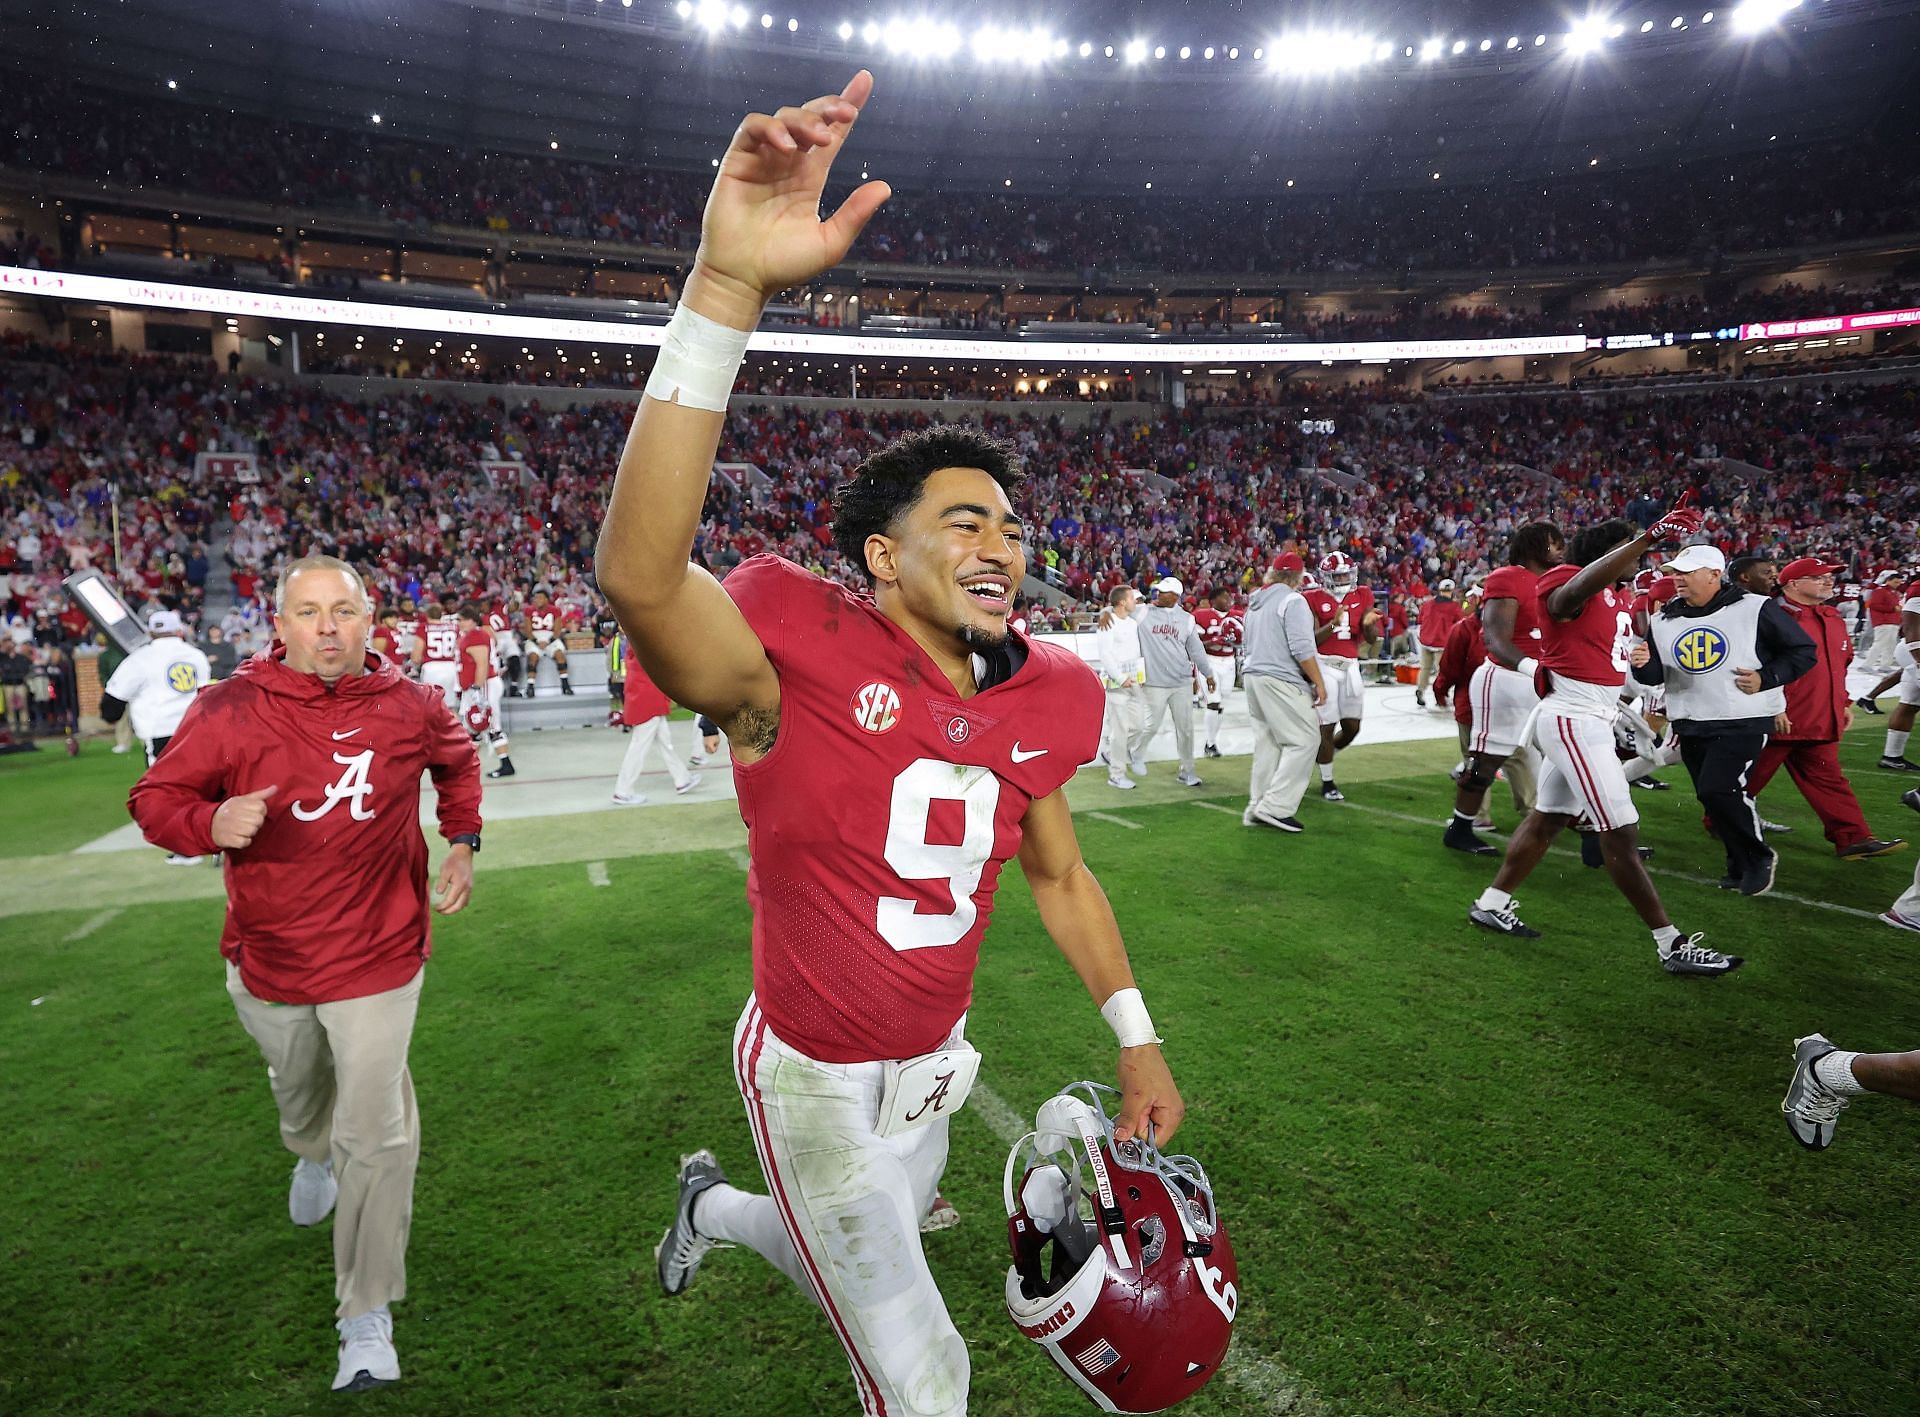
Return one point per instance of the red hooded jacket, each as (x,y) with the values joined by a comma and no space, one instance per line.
(329,902)
(1816,698)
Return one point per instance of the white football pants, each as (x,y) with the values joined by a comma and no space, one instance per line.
(1122,737)
(644,739)
(843,1218)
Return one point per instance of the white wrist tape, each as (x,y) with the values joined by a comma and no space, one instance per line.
(699,360)
(1127,1016)
(1527,666)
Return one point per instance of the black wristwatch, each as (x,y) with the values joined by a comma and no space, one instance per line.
(466,839)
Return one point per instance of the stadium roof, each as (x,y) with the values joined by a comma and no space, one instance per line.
(975,111)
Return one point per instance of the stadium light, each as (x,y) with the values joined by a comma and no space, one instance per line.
(845,31)
(793,25)
(870,33)
(1430,51)
(683,9)
(1382,52)
(1646,27)
(1459,46)
(1320,52)
(1207,53)
(1159,51)
(1513,41)
(173,83)
(1108,51)
(1539,40)
(1136,50)
(766,20)
(1485,45)
(738,15)
(1587,35)
(1085,49)
(1754,16)
(1234,53)
(375,117)
(710,15)
(1678,20)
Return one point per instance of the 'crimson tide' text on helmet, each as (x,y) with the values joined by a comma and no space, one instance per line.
(1122,1270)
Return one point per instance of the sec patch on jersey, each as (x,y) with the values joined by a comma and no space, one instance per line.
(1700,650)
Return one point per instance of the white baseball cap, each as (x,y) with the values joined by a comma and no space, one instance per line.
(165,622)
(1698,558)
(1446,585)
(1168,584)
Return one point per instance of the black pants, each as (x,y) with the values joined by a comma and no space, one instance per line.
(1719,764)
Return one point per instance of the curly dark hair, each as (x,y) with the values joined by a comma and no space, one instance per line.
(1530,543)
(887,485)
(1591,543)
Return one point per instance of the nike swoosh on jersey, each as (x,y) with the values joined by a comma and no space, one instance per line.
(1020,757)
(348,734)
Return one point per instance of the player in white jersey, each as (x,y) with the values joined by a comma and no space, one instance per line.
(545,638)
(440,664)
(1907,657)
(154,686)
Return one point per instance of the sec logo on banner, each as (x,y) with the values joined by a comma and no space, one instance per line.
(876,706)
(1699,650)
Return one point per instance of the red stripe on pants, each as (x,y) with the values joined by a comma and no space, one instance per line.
(1595,803)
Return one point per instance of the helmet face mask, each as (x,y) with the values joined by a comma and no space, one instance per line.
(1339,573)
(1121,1268)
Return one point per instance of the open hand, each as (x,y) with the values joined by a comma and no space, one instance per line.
(762,230)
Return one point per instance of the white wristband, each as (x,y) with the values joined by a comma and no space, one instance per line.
(699,359)
(1527,666)
(1127,1016)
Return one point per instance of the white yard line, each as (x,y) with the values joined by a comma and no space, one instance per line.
(87,927)
(1217,807)
(1652,870)
(1116,821)
(1273,1386)
(597,873)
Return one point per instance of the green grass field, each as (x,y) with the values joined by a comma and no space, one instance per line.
(1461,1173)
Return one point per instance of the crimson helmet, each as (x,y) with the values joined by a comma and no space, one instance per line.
(1663,589)
(1643,583)
(478,714)
(1308,581)
(1340,572)
(1122,1270)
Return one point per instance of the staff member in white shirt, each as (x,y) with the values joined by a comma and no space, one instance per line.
(154,686)
(1123,671)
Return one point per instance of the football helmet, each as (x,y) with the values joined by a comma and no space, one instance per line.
(1339,572)
(1122,1270)
(476,712)
(1309,581)
(1643,583)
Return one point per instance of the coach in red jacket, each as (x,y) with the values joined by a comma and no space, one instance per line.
(304,768)
(1807,736)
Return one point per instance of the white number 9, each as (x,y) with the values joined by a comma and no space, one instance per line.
(913,858)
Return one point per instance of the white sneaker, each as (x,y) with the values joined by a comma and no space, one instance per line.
(628,799)
(311,1197)
(698,759)
(174,858)
(1125,784)
(367,1356)
(1139,767)
(1188,779)
(693,781)
(119,747)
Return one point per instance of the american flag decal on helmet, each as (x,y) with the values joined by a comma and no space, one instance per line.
(1097,1359)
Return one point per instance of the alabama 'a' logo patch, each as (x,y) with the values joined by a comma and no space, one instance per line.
(876,706)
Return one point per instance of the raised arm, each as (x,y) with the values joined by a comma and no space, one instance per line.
(761,234)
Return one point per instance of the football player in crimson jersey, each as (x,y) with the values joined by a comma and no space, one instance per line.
(1222,628)
(480,688)
(545,635)
(1586,648)
(1500,692)
(1343,617)
(892,753)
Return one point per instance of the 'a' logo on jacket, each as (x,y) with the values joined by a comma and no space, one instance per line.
(352,784)
(1700,649)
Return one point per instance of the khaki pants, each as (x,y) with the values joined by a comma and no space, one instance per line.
(339,1077)
(1286,740)
(1121,738)
(1178,701)
(1429,662)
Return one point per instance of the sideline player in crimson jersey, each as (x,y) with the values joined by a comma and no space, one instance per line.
(440,664)
(1343,613)
(892,754)
(1500,692)
(545,635)
(480,688)
(1586,644)
(1222,629)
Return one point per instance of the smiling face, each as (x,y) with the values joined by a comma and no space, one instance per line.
(952,562)
(324,624)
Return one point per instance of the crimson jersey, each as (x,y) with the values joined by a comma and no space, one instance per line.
(497,622)
(443,641)
(1518,584)
(1591,648)
(470,640)
(1220,631)
(880,820)
(543,622)
(383,641)
(1346,613)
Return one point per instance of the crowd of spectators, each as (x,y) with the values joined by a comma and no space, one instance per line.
(1714,205)
(489,500)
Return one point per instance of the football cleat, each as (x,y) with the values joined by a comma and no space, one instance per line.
(1899,921)
(367,1356)
(504,770)
(1187,779)
(1873,846)
(677,1257)
(566,689)
(1687,955)
(1461,838)
(174,858)
(1263,819)
(1331,793)
(1653,784)
(1503,922)
(1866,705)
(1812,1109)
(1212,751)
(1774,828)
(1911,798)
(1420,697)
(1893,764)
(693,781)
(1758,878)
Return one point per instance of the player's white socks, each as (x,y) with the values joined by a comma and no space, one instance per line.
(1897,743)
(1326,772)
(725,1212)
(1665,936)
(1493,898)
(1835,1072)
